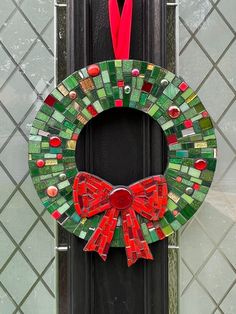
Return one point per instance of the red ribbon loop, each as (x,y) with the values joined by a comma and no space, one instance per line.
(92,196)
(120,26)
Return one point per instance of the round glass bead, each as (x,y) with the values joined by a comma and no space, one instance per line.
(52,191)
(40,163)
(62,176)
(189,191)
(121,198)
(73,95)
(200,164)
(55,141)
(135,72)
(127,89)
(59,156)
(164,82)
(174,112)
(93,70)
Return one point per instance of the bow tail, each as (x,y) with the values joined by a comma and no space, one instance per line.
(135,245)
(101,238)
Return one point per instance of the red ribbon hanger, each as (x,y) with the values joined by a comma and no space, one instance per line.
(120,26)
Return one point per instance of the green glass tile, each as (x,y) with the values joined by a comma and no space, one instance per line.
(101,92)
(167,231)
(169,216)
(70,82)
(47,110)
(207,175)
(127,66)
(105,77)
(175,225)
(58,116)
(153,110)
(167,125)
(194,102)
(205,123)
(135,95)
(181,219)
(187,93)
(153,235)
(59,107)
(98,81)
(184,107)
(57,94)
(119,74)
(169,76)
(187,198)
(143,99)
(146,233)
(194,172)
(171,91)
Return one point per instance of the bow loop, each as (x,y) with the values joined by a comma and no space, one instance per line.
(150,197)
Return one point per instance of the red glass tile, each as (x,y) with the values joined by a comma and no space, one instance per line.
(172,139)
(56,214)
(93,70)
(183,86)
(188,123)
(75,137)
(92,110)
(200,164)
(119,103)
(120,83)
(147,87)
(50,100)
(205,114)
(55,141)
(160,233)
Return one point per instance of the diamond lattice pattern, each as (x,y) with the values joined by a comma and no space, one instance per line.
(27,262)
(207,244)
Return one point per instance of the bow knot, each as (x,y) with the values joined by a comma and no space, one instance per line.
(93,196)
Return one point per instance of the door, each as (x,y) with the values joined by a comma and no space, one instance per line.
(120,146)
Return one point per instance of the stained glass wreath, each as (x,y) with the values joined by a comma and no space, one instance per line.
(142,86)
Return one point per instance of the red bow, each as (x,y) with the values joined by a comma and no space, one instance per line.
(93,196)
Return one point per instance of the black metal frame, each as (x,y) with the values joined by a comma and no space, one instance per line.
(86,46)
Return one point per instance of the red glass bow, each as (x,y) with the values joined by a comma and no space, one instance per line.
(93,196)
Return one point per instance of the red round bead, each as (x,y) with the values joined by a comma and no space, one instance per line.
(121,198)
(40,163)
(135,72)
(175,212)
(52,191)
(59,156)
(200,164)
(55,141)
(174,112)
(179,179)
(196,186)
(72,95)
(93,70)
